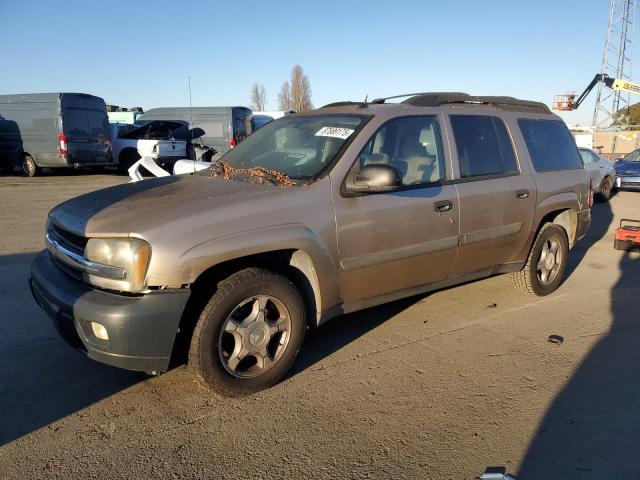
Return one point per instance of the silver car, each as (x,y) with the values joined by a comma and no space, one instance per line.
(602,173)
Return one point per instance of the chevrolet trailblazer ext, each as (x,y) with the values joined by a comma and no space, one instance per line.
(313,216)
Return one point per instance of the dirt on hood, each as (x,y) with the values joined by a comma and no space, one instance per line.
(259,175)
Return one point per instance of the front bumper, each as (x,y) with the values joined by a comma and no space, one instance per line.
(141,328)
(584,223)
(627,181)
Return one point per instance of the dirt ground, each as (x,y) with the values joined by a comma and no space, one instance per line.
(437,386)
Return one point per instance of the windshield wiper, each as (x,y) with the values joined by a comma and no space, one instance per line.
(258,175)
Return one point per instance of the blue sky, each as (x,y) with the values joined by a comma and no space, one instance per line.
(139,53)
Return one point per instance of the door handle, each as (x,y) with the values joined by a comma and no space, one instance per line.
(442,206)
(522,194)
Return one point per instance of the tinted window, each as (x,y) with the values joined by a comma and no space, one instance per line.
(550,145)
(506,146)
(240,129)
(412,145)
(484,146)
(98,124)
(75,122)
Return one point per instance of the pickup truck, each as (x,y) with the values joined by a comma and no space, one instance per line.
(154,139)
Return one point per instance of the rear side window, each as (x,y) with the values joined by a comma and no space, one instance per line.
(484,146)
(550,145)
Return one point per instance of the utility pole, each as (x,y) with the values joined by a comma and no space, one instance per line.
(617,63)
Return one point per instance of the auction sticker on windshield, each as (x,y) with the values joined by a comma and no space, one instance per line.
(336,132)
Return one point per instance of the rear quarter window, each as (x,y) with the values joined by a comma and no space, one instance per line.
(550,144)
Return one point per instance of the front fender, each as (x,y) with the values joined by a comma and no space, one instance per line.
(312,257)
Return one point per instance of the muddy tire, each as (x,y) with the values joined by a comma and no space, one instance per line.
(604,192)
(544,271)
(249,333)
(28,166)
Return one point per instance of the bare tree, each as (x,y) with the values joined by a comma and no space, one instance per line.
(300,90)
(284,97)
(258,97)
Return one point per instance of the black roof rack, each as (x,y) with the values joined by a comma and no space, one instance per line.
(342,104)
(436,99)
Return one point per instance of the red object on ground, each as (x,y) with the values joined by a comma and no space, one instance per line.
(628,236)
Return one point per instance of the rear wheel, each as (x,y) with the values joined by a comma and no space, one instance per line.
(126,160)
(29,167)
(249,333)
(547,262)
(604,192)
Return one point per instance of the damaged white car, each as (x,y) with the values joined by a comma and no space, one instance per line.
(158,140)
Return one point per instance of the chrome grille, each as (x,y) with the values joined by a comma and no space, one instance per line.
(69,240)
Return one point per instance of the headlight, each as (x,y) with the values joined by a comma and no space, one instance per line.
(132,255)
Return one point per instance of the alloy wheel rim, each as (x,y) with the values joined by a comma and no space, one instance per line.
(254,336)
(550,261)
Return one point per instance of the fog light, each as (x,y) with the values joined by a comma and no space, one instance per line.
(99,331)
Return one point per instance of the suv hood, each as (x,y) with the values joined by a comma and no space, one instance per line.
(141,208)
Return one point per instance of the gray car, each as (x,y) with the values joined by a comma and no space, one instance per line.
(313,216)
(602,173)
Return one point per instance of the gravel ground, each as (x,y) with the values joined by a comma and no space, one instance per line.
(436,386)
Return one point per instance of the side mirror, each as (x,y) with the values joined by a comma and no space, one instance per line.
(376,177)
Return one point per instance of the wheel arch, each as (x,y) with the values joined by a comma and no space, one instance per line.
(126,151)
(293,263)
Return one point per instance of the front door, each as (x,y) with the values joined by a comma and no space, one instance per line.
(397,240)
(497,202)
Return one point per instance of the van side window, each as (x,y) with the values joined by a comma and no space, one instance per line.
(413,145)
(484,146)
(550,145)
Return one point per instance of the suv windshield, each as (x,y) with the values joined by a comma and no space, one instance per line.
(301,147)
(633,156)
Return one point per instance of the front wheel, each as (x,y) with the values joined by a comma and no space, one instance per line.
(249,333)
(547,262)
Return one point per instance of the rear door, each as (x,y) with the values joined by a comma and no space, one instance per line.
(99,130)
(397,240)
(75,126)
(497,195)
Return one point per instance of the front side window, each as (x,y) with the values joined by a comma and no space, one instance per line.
(484,146)
(299,146)
(412,145)
(550,145)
